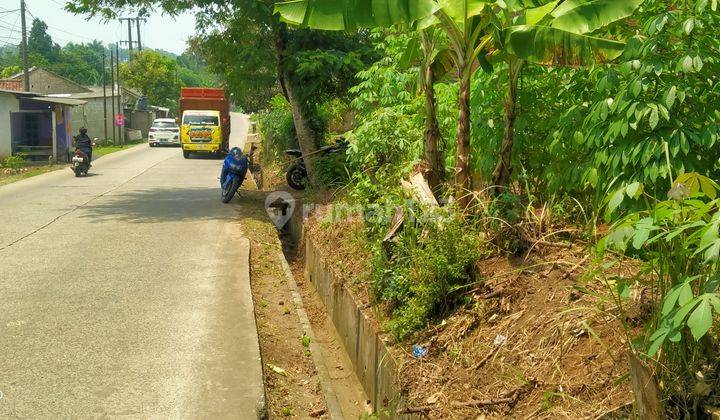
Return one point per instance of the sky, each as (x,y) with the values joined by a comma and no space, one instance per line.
(160,31)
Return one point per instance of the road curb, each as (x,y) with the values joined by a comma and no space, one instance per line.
(261,406)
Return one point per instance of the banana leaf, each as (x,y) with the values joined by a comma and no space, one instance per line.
(461,10)
(554,47)
(350,15)
(583,16)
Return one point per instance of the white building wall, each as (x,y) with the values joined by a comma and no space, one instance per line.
(91,117)
(8,103)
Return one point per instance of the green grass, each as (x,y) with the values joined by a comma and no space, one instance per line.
(106,150)
(34,171)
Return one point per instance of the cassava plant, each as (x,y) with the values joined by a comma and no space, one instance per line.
(679,242)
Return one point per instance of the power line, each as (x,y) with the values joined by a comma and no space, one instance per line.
(7,25)
(12,30)
(59,29)
(58,3)
(8,44)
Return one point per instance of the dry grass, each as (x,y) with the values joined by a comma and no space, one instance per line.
(541,338)
(14,176)
(539,333)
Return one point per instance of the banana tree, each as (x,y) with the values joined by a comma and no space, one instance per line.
(433,66)
(551,34)
(480,31)
(459,19)
(466,24)
(430,50)
(333,15)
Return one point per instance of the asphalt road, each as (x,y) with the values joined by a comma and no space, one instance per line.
(126,293)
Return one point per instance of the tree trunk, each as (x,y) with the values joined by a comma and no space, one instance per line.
(432,154)
(648,398)
(306,135)
(503,169)
(462,142)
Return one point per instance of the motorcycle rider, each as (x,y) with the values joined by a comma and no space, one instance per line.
(84,143)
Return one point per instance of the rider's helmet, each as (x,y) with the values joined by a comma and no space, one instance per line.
(83,130)
(236,152)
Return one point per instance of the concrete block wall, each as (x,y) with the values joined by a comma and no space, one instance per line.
(91,117)
(374,364)
(8,103)
(43,81)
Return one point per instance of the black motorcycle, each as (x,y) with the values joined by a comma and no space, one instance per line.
(296,175)
(80,163)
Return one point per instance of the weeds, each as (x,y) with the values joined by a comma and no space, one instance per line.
(16,161)
(421,277)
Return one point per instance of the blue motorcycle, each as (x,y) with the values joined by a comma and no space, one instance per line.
(233,173)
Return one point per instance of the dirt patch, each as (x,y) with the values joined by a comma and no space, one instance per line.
(291,381)
(539,337)
(533,329)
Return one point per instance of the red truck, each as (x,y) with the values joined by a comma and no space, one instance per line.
(204,120)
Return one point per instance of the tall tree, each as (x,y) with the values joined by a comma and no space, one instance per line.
(241,50)
(155,75)
(39,41)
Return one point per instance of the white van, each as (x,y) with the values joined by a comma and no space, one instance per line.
(164,131)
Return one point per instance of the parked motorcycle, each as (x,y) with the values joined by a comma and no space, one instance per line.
(233,174)
(296,175)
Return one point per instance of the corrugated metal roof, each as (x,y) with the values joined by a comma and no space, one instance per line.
(15,92)
(96,92)
(63,101)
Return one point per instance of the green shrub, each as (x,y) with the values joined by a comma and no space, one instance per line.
(429,268)
(388,137)
(332,170)
(277,128)
(679,241)
(15,162)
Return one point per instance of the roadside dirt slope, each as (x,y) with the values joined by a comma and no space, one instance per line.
(539,339)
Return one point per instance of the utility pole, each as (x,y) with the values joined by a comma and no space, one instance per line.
(26,72)
(104,82)
(121,128)
(139,41)
(130,40)
(112,94)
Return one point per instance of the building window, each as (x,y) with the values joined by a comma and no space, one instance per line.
(31,127)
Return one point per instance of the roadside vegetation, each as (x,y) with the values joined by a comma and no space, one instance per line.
(15,168)
(569,139)
(105,148)
(536,173)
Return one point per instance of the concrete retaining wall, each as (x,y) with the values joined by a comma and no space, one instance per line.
(374,365)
